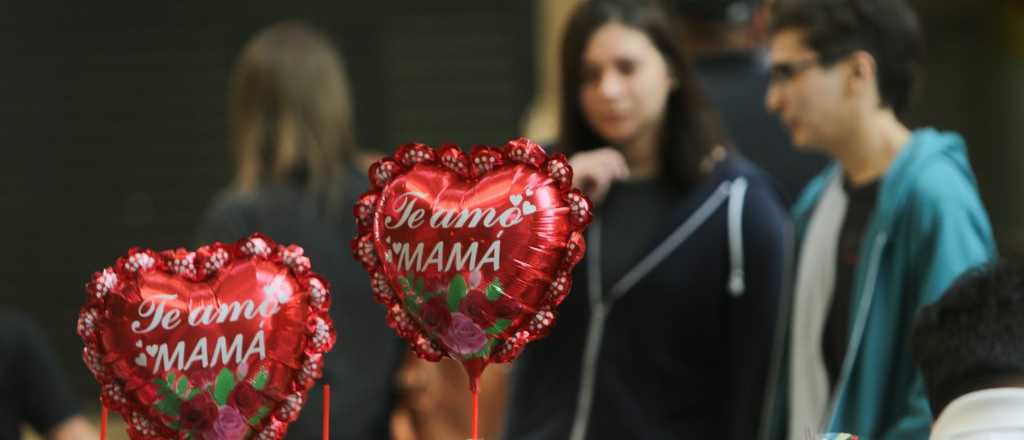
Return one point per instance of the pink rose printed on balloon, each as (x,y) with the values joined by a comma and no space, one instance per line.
(230,425)
(464,336)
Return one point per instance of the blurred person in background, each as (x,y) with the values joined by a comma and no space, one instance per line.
(725,39)
(436,401)
(668,330)
(969,346)
(881,232)
(33,389)
(296,179)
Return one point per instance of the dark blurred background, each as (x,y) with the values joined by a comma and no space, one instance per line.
(113,120)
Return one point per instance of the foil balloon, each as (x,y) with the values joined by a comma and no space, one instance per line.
(471,254)
(220,343)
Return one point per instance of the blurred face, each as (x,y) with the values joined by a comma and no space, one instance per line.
(626,84)
(812,101)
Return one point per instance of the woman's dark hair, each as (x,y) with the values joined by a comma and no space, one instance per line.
(886,29)
(971,338)
(691,128)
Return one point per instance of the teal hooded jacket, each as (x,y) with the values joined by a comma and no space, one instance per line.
(928,227)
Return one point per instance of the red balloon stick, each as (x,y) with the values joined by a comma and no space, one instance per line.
(327,411)
(103,422)
(476,413)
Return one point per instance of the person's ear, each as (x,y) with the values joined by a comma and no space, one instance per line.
(862,71)
(673,80)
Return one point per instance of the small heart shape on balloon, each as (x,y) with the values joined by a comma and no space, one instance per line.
(152,350)
(529,192)
(515,199)
(138,344)
(397,247)
(278,291)
(140,360)
(528,208)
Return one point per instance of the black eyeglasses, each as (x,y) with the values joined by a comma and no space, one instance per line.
(783,72)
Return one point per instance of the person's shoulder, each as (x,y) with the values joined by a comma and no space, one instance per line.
(228,216)
(232,199)
(15,320)
(932,169)
(18,327)
(942,196)
(231,202)
(941,182)
(734,164)
(735,167)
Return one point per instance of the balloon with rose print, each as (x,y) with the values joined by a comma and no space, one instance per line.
(471,253)
(221,343)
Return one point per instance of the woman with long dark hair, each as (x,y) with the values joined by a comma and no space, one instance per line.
(290,124)
(668,330)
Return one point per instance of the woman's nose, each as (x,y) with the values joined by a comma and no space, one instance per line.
(611,85)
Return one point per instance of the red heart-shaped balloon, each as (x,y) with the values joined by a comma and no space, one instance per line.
(471,254)
(221,343)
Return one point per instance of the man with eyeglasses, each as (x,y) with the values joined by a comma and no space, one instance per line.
(880,233)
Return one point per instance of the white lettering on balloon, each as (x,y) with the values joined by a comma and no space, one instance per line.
(447,257)
(157,312)
(459,258)
(410,216)
(223,354)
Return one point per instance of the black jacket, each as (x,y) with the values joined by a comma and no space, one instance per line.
(679,347)
(362,366)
